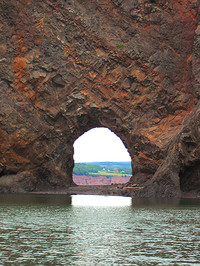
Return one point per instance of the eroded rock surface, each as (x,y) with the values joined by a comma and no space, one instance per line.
(129,65)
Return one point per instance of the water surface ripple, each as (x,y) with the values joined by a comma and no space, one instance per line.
(57,230)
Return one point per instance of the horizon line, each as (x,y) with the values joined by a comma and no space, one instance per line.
(105,162)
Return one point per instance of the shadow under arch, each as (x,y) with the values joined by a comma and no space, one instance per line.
(101,144)
(190,178)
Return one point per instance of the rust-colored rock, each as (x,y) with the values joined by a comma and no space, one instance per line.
(129,65)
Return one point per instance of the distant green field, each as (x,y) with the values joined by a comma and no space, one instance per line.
(107,169)
(105,173)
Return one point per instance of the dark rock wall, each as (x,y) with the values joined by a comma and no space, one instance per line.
(69,66)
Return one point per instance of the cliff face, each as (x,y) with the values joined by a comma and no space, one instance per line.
(130,65)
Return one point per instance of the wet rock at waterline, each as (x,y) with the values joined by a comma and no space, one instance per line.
(130,66)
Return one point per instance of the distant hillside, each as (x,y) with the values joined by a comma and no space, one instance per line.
(113,164)
(108,169)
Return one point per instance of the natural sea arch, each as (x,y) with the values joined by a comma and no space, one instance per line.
(100,145)
(66,69)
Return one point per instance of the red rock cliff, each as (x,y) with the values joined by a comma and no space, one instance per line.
(129,65)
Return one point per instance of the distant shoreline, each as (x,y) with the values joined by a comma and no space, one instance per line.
(107,190)
(99,180)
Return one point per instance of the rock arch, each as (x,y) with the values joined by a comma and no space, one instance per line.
(64,70)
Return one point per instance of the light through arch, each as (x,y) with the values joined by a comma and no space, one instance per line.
(102,145)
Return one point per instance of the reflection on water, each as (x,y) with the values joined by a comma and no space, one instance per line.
(103,201)
(34,199)
(58,230)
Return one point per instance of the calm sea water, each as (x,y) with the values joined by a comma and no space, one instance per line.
(98,230)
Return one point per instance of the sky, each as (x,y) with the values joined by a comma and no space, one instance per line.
(100,145)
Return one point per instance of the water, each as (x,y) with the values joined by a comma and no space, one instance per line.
(97,230)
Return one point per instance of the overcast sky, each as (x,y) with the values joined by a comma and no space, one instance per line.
(100,145)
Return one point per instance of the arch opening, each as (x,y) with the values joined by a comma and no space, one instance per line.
(101,158)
